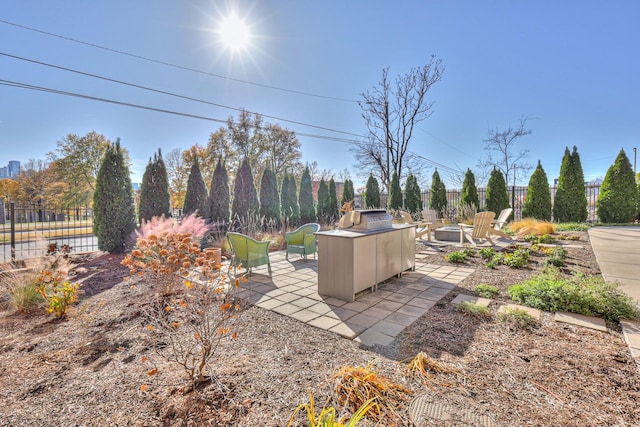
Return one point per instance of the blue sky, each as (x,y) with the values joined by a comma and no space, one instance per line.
(571,66)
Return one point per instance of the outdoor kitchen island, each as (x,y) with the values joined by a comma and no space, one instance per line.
(350,262)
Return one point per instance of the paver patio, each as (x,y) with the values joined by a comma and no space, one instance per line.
(373,318)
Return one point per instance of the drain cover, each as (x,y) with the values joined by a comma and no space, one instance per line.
(424,412)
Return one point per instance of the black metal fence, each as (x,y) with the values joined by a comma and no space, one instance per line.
(31,230)
(517,197)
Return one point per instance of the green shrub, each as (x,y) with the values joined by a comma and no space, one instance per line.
(486,291)
(155,199)
(538,203)
(438,200)
(305,198)
(573,226)
(196,198)
(469,252)
(518,318)
(497,198)
(474,310)
(587,295)
(395,194)
(412,195)
(618,198)
(372,198)
(517,259)
(469,194)
(557,257)
(570,201)
(457,257)
(219,194)
(546,239)
(487,253)
(269,197)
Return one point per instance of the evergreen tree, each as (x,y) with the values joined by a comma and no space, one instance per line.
(333,201)
(245,197)
(305,198)
(497,196)
(293,209)
(469,195)
(618,199)
(155,199)
(412,195)
(219,195)
(323,202)
(570,202)
(372,198)
(538,203)
(269,198)
(395,194)
(348,193)
(114,216)
(438,200)
(196,198)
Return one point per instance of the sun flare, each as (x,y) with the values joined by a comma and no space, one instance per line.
(234,33)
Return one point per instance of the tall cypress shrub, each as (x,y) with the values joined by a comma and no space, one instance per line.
(219,195)
(412,195)
(114,216)
(497,196)
(570,202)
(538,203)
(155,199)
(372,193)
(333,201)
(269,198)
(323,202)
(245,204)
(293,209)
(395,194)
(305,198)
(438,200)
(469,194)
(196,198)
(618,199)
(348,193)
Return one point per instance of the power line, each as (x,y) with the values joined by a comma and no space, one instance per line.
(169,64)
(163,92)
(21,85)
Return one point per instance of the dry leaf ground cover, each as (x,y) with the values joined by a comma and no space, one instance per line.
(93,368)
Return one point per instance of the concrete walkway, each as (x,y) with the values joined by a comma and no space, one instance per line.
(617,251)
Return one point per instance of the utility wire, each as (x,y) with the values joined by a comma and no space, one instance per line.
(169,64)
(20,85)
(71,70)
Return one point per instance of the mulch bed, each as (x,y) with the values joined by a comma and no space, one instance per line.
(89,369)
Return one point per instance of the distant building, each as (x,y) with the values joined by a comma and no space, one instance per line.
(14,168)
(4,172)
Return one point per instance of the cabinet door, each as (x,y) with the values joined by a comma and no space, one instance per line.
(364,258)
(408,248)
(389,254)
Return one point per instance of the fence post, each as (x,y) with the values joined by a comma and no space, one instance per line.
(513,198)
(12,214)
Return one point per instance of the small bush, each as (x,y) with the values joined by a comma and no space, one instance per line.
(486,291)
(58,293)
(487,253)
(517,259)
(557,257)
(587,295)
(456,257)
(21,290)
(518,318)
(474,310)
(572,226)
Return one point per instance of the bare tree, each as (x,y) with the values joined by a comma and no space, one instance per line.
(503,154)
(391,110)
(177,174)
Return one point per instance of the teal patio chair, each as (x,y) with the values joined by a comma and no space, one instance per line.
(248,252)
(303,240)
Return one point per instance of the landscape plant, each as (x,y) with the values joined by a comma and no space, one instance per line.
(289,200)
(438,200)
(20,289)
(469,194)
(570,200)
(412,195)
(57,292)
(155,199)
(538,202)
(486,291)
(269,198)
(333,201)
(518,318)
(219,194)
(305,198)
(550,290)
(472,309)
(618,198)
(327,415)
(194,307)
(196,198)
(348,192)
(497,198)
(323,202)
(395,194)
(114,217)
(531,226)
(372,198)
(245,197)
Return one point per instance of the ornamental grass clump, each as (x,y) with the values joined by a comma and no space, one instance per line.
(357,385)
(529,226)
(195,305)
(327,415)
(424,367)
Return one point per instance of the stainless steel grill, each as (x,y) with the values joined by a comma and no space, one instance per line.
(366,220)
